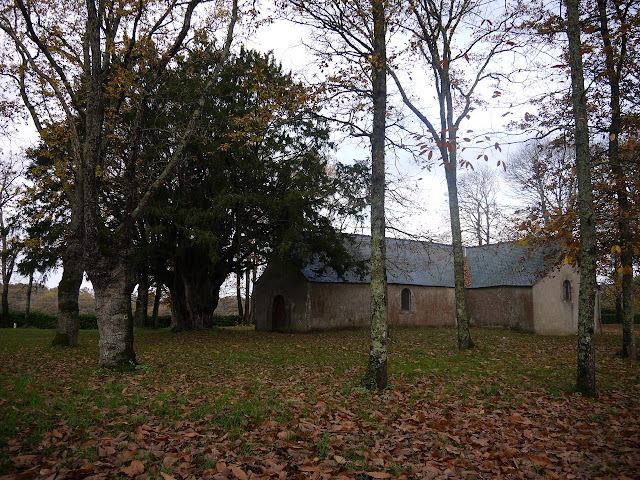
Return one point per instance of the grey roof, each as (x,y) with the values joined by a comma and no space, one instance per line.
(507,264)
(411,262)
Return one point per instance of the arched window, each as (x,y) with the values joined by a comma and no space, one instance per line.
(405,300)
(566,291)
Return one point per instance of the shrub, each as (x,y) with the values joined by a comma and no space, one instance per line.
(609,317)
(88,321)
(226,320)
(164,321)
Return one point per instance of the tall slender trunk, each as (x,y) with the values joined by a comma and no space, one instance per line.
(27,303)
(615,162)
(376,375)
(7,271)
(464,334)
(247,297)
(239,293)
(5,304)
(252,310)
(141,315)
(156,305)
(586,371)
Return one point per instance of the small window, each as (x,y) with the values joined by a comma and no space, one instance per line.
(405,300)
(566,291)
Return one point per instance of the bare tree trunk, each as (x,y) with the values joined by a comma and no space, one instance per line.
(113,294)
(156,305)
(252,310)
(68,323)
(586,375)
(179,313)
(464,334)
(27,303)
(239,294)
(624,228)
(247,297)
(141,315)
(7,271)
(5,304)
(376,375)
(619,313)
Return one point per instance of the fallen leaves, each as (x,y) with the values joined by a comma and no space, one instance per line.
(256,413)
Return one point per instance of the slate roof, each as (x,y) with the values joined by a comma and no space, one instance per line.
(506,264)
(411,262)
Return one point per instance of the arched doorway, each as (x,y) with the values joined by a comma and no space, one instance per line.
(279,314)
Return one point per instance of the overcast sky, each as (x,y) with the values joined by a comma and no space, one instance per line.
(426,190)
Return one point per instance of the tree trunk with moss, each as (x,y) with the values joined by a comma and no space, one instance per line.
(462,319)
(68,290)
(376,375)
(586,375)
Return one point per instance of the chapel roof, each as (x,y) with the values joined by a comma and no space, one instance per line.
(412,262)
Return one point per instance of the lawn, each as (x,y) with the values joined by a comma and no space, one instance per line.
(235,403)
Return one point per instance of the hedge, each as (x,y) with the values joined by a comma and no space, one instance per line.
(609,317)
(89,321)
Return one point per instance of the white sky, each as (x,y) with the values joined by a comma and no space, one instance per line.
(429,188)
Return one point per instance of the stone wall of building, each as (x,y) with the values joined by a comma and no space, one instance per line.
(509,307)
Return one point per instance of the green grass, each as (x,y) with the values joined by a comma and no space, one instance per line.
(248,398)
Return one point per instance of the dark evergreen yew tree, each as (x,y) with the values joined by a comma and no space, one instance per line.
(254,179)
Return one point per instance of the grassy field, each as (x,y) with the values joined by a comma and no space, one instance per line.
(235,403)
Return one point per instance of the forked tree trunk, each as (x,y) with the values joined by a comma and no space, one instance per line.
(202,292)
(68,323)
(113,296)
(586,371)
(376,374)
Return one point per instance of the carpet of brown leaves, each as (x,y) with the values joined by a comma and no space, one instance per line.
(234,403)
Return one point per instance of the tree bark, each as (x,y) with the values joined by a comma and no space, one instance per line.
(586,371)
(252,310)
(156,305)
(239,293)
(180,320)
(68,323)
(615,162)
(464,334)
(5,305)
(202,292)
(247,297)
(112,294)
(376,375)
(141,315)
(7,270)
(27,303)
